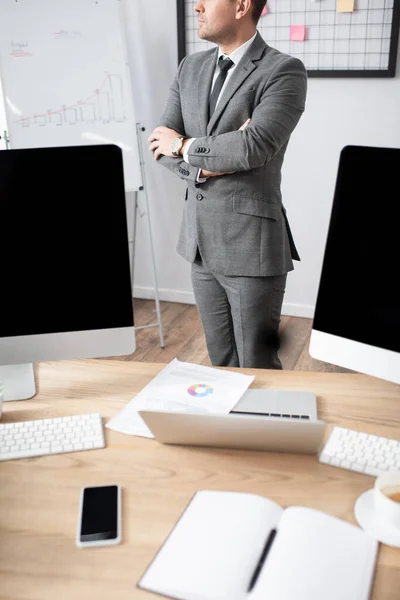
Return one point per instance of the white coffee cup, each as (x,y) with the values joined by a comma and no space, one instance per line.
(386,508)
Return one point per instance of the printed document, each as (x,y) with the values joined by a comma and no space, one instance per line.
(182,387)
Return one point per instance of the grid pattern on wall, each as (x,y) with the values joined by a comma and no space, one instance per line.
(362,43)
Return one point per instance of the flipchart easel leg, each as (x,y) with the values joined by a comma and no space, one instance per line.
(146,213)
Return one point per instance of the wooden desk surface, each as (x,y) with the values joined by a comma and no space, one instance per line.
(39,497)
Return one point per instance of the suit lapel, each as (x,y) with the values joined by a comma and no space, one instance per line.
(204,88)
(246,66)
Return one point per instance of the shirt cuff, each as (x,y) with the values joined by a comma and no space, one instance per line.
(200,179)
(186,159)
(186,150)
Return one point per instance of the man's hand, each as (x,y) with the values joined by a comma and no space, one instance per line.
(161,140)
(205,173)
(162,137)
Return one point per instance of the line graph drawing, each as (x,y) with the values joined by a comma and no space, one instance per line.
(105,104)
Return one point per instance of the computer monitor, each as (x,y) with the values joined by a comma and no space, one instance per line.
(64,259)
(357,317)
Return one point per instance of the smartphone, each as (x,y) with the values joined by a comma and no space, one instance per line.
(99,522)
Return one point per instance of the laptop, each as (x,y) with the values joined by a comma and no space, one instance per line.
(279,404)
(249,426)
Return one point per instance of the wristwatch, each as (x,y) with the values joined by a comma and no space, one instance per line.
(177,145)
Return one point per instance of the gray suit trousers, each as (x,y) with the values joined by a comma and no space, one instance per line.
(240,317)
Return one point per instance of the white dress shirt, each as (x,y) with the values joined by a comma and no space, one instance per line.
(235,57)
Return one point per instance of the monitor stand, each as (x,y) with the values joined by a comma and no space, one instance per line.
(18,382)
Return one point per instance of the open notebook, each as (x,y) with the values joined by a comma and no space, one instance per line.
(238,546)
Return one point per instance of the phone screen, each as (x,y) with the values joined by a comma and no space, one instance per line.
(99,514)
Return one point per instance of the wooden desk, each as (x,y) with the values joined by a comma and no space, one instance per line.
(39,497)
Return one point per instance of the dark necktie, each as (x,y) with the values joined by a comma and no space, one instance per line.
(224,65)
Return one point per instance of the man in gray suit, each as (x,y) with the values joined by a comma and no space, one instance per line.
(225,130)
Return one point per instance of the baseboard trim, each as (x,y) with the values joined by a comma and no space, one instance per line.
(289,309)
(147,293)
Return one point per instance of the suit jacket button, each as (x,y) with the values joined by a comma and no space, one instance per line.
(199,197)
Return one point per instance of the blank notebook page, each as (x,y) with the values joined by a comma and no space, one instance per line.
(317,557)
(214,548)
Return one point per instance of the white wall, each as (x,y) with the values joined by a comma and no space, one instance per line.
(3,123)
(152,50)
(339,111)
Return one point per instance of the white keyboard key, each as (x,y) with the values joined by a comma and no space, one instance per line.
(55,449)
(325,458)
(383,466)
(360,452)
(51,436)
(373,471)
(358,467)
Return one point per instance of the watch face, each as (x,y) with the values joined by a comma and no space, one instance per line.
(176,145)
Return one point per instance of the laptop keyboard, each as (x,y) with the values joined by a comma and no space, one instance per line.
(275,415)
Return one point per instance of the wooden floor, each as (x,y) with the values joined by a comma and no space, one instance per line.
(184,338)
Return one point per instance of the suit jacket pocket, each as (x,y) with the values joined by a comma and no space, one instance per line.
(254,207)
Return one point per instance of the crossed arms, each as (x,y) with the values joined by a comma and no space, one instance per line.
(253,144)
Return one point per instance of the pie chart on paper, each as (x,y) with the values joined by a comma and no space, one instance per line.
(200,390)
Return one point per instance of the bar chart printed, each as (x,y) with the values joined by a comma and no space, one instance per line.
(106,104)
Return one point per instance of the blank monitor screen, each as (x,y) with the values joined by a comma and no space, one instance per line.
(64,254)
(359,292)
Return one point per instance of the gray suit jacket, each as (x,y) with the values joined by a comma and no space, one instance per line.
(237,221)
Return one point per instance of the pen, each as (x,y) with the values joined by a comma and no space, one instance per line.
(263,556)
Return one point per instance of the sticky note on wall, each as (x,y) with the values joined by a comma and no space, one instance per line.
(344,5)
(297,33)
(265,11)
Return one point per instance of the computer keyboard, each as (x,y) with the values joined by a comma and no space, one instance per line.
(25,439)
(361,452)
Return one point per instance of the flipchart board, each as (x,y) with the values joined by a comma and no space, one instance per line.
(65,77)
